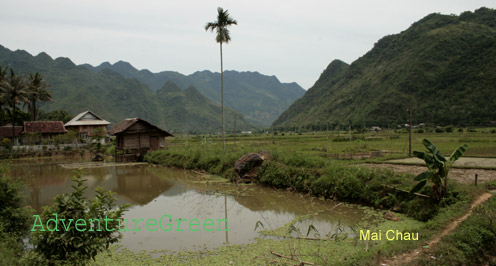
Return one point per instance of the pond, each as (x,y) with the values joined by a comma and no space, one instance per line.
(154,191)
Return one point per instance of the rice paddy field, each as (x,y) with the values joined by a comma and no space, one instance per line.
(341,145)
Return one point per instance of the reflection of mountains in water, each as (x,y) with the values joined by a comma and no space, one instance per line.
(134,185)
(139,186)
(283,202)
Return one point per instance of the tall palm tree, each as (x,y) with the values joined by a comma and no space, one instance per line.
(221,27)
(37,91)
(15,92)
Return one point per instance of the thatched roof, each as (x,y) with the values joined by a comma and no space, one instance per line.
(123,126)
(44,127)
(87,118)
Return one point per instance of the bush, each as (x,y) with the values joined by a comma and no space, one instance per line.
(6,143)
(14,219)
(71,246)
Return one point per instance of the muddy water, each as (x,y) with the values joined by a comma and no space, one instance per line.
(157,191)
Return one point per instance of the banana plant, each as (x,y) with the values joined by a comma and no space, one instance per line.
(438,167)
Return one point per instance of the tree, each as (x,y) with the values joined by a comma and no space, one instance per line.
(55,115)
(61,243)
(15,92)
(37,91)
(221,27)
(438,168)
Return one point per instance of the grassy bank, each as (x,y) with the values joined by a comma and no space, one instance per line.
(320,177)
(473,242)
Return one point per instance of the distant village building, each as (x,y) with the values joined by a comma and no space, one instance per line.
(6,132)
(45,130)
(87,124)
(375,129)
(135,137)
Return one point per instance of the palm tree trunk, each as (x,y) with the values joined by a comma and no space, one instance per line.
(35,114)
(13,123)
(222,99)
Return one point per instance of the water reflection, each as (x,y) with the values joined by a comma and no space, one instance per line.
(157,191)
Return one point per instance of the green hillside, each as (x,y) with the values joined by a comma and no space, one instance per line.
(260,98)
(443,66)
(113,97)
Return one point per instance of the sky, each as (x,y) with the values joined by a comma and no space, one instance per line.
(294,40)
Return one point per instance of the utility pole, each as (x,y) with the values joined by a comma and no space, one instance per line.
(410,133)
(234,130)
(349,129)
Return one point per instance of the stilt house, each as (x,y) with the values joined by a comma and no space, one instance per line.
(135,137)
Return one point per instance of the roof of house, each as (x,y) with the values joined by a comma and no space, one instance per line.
(44,127)
(122,126)
(6,131)
(87,118)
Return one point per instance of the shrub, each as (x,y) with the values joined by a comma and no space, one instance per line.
(72,246)
(14,219)
(6,143)
(439,130)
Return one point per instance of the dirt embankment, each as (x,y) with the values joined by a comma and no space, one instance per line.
(461,175)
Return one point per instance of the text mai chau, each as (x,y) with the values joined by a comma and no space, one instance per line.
(389,235)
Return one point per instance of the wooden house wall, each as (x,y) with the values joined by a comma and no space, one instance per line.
(139,141)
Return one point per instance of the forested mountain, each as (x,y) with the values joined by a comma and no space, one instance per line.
(114,97)
(443,66)
(260,98)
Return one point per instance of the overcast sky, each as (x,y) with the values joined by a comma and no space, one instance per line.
(292,39)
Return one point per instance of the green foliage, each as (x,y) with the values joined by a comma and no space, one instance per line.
(438,168)
(443,65)
(72,246)
(14,219)
(6,143)
(55,115)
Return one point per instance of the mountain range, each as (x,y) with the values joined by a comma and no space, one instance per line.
(114,97)
(168,99)
(259,97)
(443,67)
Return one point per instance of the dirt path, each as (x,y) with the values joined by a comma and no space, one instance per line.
(406,258)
